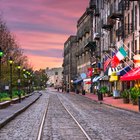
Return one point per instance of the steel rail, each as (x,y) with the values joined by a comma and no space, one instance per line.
(82,129)
(42,122)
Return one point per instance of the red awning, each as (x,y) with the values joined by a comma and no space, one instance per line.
(133,74)
(88,82)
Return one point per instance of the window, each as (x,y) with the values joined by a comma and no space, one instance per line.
(128,50)
(56,73)
(135,48)
(139,13)
(136,17)
(126,26)
(132,20)
(128,23)
(139,46)
(132,48)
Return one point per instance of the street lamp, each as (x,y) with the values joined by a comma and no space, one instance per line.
(1,54)
(11,62)
(24,81)
(28,75)
(19,94)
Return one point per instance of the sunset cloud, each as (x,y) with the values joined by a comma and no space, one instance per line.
(42,26)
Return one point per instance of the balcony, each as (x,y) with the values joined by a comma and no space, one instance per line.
(92,4)
(97,13)
(77,54)
(129,26)
(110,21)
(86,29)
(119,31)
(96,36)
(79,34)
(90,46)
(112,45)
(107,26)
(123,5)
(116,15)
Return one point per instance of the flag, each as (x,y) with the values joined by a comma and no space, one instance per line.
(89,74)
(120,55)
(106,63)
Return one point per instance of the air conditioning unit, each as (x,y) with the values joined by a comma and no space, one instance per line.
(96,36)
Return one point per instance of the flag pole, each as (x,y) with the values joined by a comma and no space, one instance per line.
(124,61)
(120,66)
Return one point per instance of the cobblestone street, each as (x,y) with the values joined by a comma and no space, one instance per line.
(98,121)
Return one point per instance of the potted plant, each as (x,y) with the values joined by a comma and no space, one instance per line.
(134,93)
(125,96)
(103,90)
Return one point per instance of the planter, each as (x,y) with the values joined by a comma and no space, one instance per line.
(125,100)
(134,102)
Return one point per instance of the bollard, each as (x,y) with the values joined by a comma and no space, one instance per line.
(139,102)
(83,92)
(100,96)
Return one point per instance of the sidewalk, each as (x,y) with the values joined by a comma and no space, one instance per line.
(13,110)
(114,102)
(110,101)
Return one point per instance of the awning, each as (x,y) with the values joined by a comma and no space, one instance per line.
(86,80)
(96,79)
(133,74)
(83,75)
(113,78)
(124,71)
(77,81)
(112,70)
(105,77)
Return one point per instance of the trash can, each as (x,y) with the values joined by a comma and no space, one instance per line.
(100,96)
(83,92)
(67,90)
(77,91)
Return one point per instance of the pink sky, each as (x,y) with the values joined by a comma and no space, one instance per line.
(42,26)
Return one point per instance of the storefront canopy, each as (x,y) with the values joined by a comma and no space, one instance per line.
(133,74)
(96,79)
(123,71)
(77,81)
(105,77)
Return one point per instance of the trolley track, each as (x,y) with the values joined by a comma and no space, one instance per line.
(59,123)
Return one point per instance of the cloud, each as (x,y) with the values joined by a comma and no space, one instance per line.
(54,53)
(42,26)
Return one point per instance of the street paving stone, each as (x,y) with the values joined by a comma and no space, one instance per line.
(106,122)
(101,122)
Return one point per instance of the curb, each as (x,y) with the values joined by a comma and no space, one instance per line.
(8,119)
(100,102)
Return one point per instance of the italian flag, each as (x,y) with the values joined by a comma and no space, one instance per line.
(120,55)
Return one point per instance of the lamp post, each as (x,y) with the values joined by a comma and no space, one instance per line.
(10,62)
(19,80)
(1,54)
(24,81)
(28,75)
